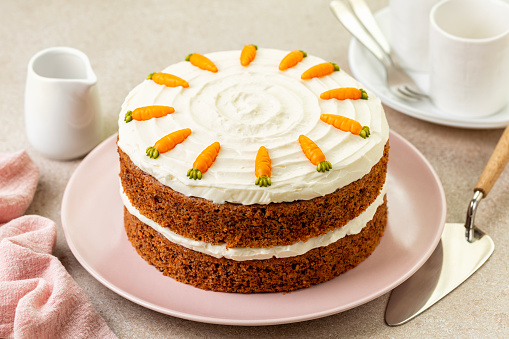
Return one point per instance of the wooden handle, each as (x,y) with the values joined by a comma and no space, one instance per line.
(495,166)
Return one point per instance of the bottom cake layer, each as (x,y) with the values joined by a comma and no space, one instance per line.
(254,276)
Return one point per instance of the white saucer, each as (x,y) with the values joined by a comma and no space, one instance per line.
(369,71)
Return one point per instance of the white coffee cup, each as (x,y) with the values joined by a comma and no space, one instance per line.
(63,117)
(469,56)
(409,32)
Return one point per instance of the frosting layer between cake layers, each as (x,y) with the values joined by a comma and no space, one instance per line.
(354,226)
(244,108)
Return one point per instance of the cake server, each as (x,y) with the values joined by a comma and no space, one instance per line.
(462,249)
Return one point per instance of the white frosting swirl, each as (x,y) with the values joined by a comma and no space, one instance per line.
(354,226)
(244,108)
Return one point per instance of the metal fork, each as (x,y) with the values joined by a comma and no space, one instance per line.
(398,81)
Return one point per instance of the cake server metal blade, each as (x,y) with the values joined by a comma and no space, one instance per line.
(453,261)
(461,251)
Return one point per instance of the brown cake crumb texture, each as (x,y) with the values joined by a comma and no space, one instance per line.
(254,276)
(255,225)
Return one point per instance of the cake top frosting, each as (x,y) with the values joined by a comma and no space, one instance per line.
(242,108)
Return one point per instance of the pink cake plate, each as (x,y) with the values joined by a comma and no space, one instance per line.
(92,219)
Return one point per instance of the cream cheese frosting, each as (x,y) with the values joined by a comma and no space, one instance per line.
(354,226)
(244,108)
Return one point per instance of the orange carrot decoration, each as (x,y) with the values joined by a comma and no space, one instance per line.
(169,80)
(344,94)
(262,168)
(292,59)
(314,154)
(168,142)
(320,70)
(148,112)
(248,54)
(202,62)
(346,124)
(204,161)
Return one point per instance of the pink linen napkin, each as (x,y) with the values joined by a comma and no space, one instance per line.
(38,298)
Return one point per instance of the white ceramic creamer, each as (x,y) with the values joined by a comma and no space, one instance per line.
(62,111)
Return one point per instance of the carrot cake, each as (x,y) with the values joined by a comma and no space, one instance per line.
(249,171)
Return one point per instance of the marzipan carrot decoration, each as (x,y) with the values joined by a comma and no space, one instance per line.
(320,70)
(263,168)
(169,80)
(148,112)
(168,142)
(314,154)
(202,62)
(346,124)
(292,59)
(204,161)
(344,94)
(248,54)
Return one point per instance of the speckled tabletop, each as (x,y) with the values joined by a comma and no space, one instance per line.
(127,40)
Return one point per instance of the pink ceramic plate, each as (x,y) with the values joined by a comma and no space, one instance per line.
(92,218)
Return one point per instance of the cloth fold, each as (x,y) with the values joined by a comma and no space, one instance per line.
(18,180)
(38,298)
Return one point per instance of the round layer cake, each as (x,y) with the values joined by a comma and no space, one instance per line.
(320,209)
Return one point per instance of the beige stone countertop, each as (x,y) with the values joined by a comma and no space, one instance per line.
(125,40)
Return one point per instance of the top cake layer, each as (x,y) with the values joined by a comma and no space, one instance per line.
(244,108)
